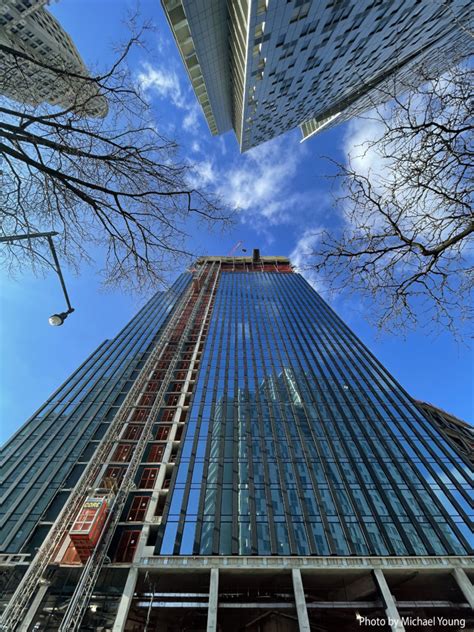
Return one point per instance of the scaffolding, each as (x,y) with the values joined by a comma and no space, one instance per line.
(141,405)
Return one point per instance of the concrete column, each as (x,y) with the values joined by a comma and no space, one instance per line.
(126,600)
(394,619)
(32,610)
(213,600)
(465,585)
(300,601)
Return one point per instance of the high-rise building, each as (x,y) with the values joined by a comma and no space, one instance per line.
(263,67)
(235,459)
(39,62)
(459,433)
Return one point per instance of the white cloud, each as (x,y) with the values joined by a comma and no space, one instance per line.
(361,133)
(196,147)
(222,145)
(260,183)
(371,159)
(394,180)
(301,256)
(191,120)
(202,175)
(166,84)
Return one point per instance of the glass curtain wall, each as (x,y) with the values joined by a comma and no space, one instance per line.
(300,443)
(42,462)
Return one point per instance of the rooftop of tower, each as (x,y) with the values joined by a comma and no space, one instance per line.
(272,259)
(255,263)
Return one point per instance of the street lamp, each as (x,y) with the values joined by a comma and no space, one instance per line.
(58,319)
(55,320)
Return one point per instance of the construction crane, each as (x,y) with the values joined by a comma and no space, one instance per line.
(234,249)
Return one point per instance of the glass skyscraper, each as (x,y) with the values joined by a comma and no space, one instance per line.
(257,467)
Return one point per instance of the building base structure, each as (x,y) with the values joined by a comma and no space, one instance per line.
(267,594)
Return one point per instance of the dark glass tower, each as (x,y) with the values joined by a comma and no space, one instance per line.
(258,465)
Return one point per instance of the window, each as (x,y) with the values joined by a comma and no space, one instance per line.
(127,546)
(156,453)
(133,432)
(113,475)
(123,452)
(138,509)
(140,414)
(162,433)
(148,478)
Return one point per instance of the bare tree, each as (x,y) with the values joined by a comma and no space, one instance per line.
(406,197)
(98,171)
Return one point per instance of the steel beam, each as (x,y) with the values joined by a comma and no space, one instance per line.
(420,563)
(300,601)
(213,600)
(126,600)
(394,619)
(465,585)
(361,587)
(321,605)
(33,609)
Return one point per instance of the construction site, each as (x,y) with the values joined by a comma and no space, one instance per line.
(99,561)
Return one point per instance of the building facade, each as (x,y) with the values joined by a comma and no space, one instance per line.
(235,459)
(459,433)
(39,62)
(263,67)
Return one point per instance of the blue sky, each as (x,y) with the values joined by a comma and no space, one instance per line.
(283,196)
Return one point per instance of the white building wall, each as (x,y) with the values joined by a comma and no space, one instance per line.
(307,56)
(27,27)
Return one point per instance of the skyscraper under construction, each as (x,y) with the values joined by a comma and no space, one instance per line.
(235,459)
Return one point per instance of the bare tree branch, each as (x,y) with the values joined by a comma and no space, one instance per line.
(406,196)
(112,183)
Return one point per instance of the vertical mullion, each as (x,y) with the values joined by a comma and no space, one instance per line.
(323,362)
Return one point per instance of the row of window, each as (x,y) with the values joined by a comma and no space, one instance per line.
(360,455)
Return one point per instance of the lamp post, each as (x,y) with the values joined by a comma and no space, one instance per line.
(56,319)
